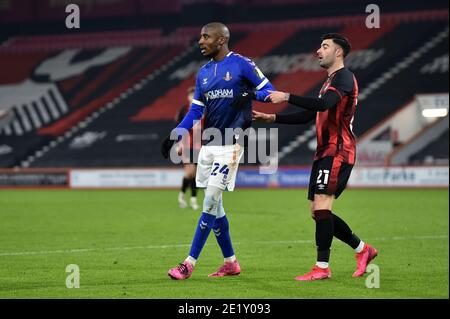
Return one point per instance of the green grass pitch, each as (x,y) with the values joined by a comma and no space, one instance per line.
(124,241)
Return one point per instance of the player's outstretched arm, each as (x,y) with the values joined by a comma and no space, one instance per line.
(262,117)
(277,97)
(301,117)
(330,99)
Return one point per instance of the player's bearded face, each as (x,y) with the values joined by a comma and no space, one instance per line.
(327,54)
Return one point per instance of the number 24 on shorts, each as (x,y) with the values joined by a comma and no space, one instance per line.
(223,170)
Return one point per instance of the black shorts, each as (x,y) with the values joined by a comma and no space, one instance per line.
(329,175)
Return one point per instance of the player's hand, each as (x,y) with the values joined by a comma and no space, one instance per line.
(263,117)
(166,146)
(242,100)
(277,97)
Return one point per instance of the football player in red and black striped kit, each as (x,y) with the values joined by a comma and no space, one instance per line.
(335,156)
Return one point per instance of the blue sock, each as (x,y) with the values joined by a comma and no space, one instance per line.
(204,226)
(221,230)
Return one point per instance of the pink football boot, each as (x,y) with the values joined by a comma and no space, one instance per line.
(182,271)
(227,269)
(363,258)
(316,273)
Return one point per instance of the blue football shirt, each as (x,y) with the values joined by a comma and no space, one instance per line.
(217,84)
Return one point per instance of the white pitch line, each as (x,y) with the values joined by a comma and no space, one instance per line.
(301,241)
(306,241)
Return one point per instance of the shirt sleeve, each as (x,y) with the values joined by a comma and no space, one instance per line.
(199,98)
(320,104)
(258,80)
(301,117)
(195,112)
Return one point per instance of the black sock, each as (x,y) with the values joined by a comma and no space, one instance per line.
(343,232)
(193,187)
(324,234)
(185,184)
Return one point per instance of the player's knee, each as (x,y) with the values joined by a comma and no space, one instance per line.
(211,201)
(210,205)
(322,201)
(322,214)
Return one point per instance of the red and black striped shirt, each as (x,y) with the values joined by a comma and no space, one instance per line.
(334,125)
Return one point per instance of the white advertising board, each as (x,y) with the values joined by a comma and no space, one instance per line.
(431,176)
(126,178)
(420,176)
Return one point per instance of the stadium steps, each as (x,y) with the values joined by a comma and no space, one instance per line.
(429,146)
(436,153)
(108,119)
(106,91)
(404,64)
(81,95)
(57,110)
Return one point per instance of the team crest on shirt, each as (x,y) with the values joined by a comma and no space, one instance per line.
(227,76)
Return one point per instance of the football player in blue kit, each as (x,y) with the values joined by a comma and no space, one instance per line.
(225,88)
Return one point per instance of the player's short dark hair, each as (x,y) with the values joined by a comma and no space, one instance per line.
(339,40)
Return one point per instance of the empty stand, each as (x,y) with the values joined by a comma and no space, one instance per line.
(436,153)
(120,107)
